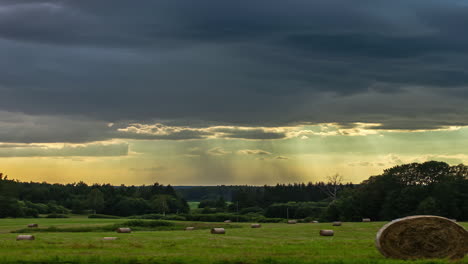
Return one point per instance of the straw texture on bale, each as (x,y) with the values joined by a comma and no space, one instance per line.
(255,225)
(110,238)
(25,237)
(33,225)
(337,223)
(218,231)
(124,230)
(366,220)
(190,228)
(292,222)
(422,236)
(327,232)
(227,221)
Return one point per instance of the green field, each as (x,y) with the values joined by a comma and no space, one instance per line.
(273,243)
(193,205)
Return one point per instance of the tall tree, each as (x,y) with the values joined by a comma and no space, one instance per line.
(95,200)
(160,203)
(333,186)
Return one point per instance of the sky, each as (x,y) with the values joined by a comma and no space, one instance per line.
(210,92)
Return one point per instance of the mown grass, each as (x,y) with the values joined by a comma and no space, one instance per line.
(271,244)
(135,225)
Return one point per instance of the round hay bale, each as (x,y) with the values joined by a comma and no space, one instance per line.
(337,223)
(109,238)
(124,230)
(228,221)
(25,237)
(33,225)
(190,228)
(292,222)
(255,225)
(422,236)
(366,220)
(218,231)
(315,222)
(327,232)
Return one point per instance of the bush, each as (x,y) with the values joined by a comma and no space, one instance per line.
(247,210)
(174,217)
(57,216)
(103,216)
(309,219)
(10,207)
(30,213)
(296,209)
(39,207)
(271,220)
(57,209)
(141,223)
(159,216)
(208,210)
(147,216)
(217,217)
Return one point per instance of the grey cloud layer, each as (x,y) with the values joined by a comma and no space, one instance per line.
(23,128)
(255,63)
(89,150)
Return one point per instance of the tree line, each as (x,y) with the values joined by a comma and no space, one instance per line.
(417,188)
(433,188)
(298,200)
(28,199)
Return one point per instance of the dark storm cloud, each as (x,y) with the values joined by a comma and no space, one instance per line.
(256,63)
(22,128)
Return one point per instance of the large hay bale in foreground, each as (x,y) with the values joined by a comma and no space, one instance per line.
(337,223)
(327,232)
(33,225)
(255,225)
(422,236)
(25,237)
(218,231)
(190,228)
(109,238)
(292,222)
(366,220)
(124,230)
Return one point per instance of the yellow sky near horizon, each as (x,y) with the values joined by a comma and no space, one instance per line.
(232,161)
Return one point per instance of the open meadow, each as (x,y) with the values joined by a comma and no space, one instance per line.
(272,243)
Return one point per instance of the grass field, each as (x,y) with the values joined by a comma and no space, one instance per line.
(193,205)
(273,243)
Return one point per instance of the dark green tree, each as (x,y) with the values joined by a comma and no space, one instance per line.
(95,200)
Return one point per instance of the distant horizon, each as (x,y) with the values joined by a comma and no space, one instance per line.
(176,186)
(344,181)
